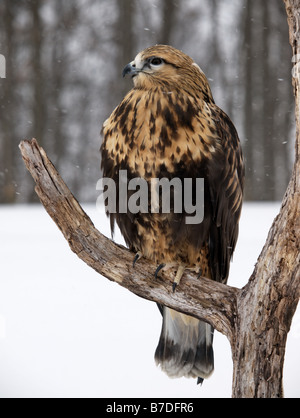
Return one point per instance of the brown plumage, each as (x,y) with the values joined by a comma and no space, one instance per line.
(169,126)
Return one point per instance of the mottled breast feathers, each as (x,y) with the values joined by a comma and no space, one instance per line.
(159,127)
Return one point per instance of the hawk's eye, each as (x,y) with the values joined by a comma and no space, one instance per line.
(156,61)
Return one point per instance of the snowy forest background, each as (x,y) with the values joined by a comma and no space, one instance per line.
(64,61)
(63,78)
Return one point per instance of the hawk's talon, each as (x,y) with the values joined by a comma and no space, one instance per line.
(178,276)
(161,266)
(199,274)
(200,381)
(137,257)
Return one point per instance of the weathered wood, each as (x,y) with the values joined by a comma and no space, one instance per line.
(266,307)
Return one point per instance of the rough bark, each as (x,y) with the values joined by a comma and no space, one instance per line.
(266,306)
(256,319)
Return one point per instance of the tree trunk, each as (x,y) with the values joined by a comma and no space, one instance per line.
(256,319)
(125,40)
(169,12)
(246,54)
(266,306)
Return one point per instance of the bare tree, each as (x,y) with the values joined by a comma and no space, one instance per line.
(124,37)
(168,21)
(256,319)
(267,99)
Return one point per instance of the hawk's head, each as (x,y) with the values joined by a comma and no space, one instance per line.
(165,66)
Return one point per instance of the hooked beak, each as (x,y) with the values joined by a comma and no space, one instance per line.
(130,69)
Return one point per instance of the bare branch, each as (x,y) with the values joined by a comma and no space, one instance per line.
(202,298)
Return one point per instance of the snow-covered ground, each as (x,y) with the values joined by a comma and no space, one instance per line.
(67,332)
